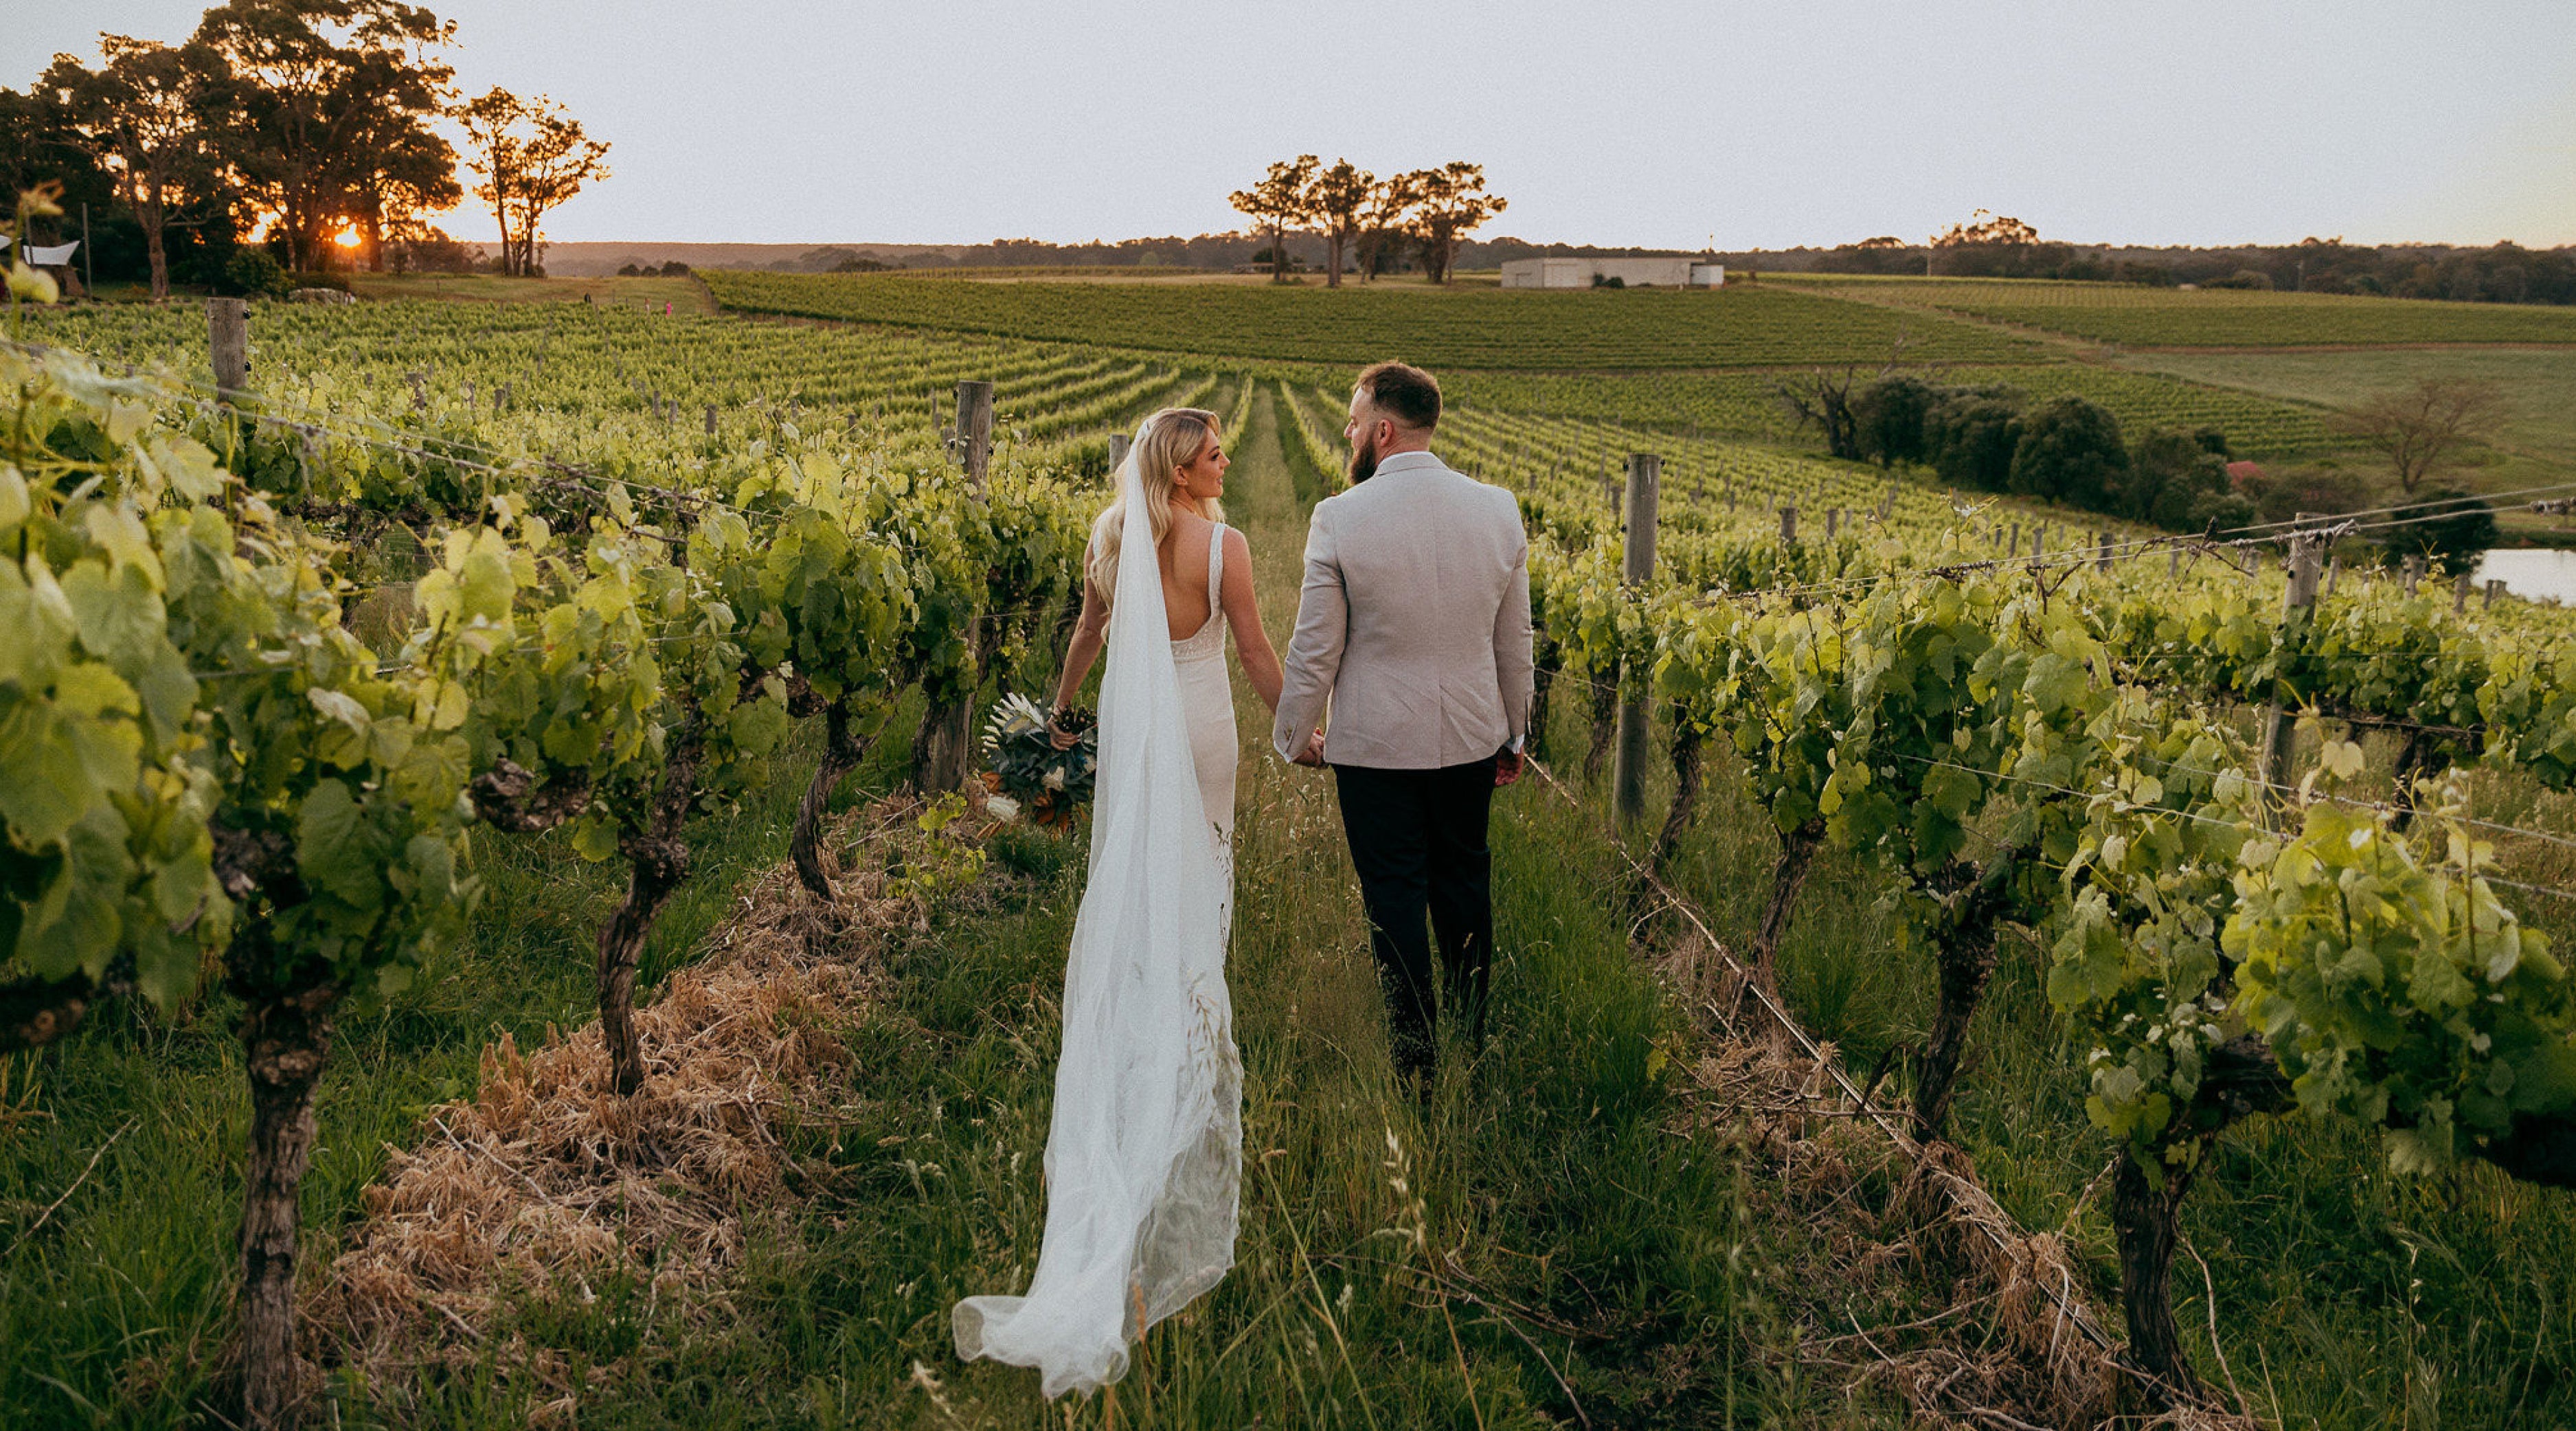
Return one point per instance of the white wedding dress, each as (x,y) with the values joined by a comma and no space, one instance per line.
(1145,1150)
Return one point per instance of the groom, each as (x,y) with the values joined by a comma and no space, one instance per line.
(1414,629)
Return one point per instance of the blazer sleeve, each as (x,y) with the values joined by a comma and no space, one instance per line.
(1512,639)
(1315,650)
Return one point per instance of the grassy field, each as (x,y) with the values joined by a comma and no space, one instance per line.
(1747,404)
(2539,384)
(2533,447)
(1465,328)
(2217,318)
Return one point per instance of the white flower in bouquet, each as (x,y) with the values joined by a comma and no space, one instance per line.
(1054,778)
(1002,808)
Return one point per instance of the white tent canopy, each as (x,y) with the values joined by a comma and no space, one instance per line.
(58,256)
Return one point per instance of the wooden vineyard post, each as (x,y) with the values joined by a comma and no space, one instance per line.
(1788,523)
(947,735)
(2102,558)
(1118,449)
(1628,774)
(2173,562)
(2495,588)
(975,430)
(711,419)
(2334,571)
(2280,723)
(2015,544)
(228,343)
(2460,594)
(2414,573)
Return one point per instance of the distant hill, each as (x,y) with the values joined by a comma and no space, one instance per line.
(592,260)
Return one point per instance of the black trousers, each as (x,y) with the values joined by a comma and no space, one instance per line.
(1417,841)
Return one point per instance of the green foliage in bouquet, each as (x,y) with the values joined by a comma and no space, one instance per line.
(1046,784)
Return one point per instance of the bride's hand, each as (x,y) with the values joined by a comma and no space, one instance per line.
(1057,735)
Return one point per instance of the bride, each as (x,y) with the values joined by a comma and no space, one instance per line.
(1144,1153)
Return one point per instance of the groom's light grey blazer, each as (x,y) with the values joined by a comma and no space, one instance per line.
(1414,625)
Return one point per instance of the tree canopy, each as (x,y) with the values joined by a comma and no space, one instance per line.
(1276,202)
(529,157)
(318,122)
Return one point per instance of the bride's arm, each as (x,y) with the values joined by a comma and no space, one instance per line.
(1079,653)
(1243,614)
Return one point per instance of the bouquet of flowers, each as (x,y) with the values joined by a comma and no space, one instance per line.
(1029,775)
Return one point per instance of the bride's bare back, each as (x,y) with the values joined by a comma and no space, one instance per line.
(1181,558)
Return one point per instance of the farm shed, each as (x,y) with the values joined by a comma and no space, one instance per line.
(1631,272)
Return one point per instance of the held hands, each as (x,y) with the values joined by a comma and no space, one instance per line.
(1508,767)
(1313,754)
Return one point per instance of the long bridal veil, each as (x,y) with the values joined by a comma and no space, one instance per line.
(1146,1147)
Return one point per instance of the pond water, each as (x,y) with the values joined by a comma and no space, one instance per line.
(2536,573)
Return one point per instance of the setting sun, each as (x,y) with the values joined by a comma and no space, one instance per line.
(348,237)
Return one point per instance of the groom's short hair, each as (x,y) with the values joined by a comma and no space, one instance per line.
(1403,392)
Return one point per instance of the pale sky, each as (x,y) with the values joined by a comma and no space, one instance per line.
(1663,124)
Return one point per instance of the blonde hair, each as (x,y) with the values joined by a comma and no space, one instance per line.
(1168,441)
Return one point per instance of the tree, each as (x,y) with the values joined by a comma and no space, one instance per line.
(329,112)
(1276,202)
(1828,400)
(531,157)
(1450,203)
(1335,198)
(2177,480)
(143,116)
(1384,219)
(1986,227)
(1889,414)
(396,176)
(1823,400)
(2000,246)
(1970,436)
(2417,428)
(2070,451)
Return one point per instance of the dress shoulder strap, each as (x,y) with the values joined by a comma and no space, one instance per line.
(1216,562)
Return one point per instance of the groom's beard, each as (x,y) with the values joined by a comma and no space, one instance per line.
(1364,459)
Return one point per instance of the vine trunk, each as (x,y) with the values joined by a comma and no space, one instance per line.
(286,1039)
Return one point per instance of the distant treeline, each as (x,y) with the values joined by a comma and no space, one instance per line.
(1207,251)
(2505,273)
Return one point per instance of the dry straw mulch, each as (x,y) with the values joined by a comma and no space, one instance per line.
(1910,1284)
(548,1185)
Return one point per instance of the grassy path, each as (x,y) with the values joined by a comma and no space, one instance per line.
(1532,1238)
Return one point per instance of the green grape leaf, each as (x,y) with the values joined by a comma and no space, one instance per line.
(119,616)
(332,848)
